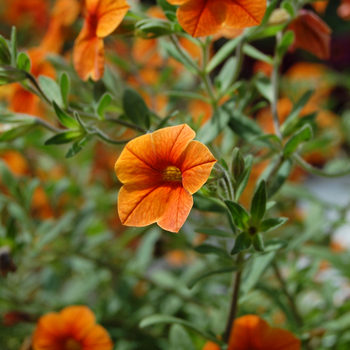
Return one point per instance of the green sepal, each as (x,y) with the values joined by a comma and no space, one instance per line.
(242,242)
(271,224)
(64,118)
(239,214)
(258,206)
(258,243)
(63,137)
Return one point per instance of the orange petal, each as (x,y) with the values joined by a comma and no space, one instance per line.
(244,13)
(77,321)
(196,165)
(88,54)
(97,339)
(177,2)
(211,346)
(110,13)
(311,34)
(48,332)
(169,143)
(177,208)
(137,162)
(202,17)
(141,205)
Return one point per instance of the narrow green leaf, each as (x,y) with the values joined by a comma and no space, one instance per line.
(65,87)
(239,214)
(258,55)
(223,53)
(23,62)
(197,279)
(64,118)
(302,135)
(78,146)
(285,43)
(275,244)
(271,224)
(63,137)
(179,338)
(227,72)
(243,126)
(213,232)
(205,203)
(15,132)
(265,88)
(166,6)
(281,176)
(154,319)
(13,47)
(243,180)
(51,89)
(5,54)
(269,11)
(258,206)
(9,75)
(242,242)
(135,108)
(104,102)
(258,243)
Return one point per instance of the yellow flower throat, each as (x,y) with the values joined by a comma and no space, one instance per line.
(172,173)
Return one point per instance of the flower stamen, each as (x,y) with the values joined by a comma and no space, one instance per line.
(172,173)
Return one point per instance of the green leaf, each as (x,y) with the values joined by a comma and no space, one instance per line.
(51,89)
(271,224)
(64,118)
(275,244)
(302,135)
(227,72)
(213,232)
(269,11)
(242,242)
(5,55)
(193,282)
(179,338)
(212,128)
(7,178)
(281,176)
(9,75)
(13,47)
(238,164)
(258,206)
(63,137)
(292,119)
(29,192)
(210,249)
(65,87)
(23,62)
(15,132)
(205,203)
(153,28)
(78,146)
(264,86)
(223,53)
(104,102)
(239,214)
(166,6)
(258,55)
(154,319)
(243,180)
(243,126)
(258,243)
(286,42)
(135,108)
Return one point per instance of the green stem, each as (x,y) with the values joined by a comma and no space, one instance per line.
(315,171)
(234,302)
(47,125)
(104,137)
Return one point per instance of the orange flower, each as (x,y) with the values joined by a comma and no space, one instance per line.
(101,19)
(343,10)
(207,17)
(311,34)
(320,6)
(160,172)
(74,328)
(251,332)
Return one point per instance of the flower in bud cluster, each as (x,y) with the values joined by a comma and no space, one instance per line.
(238,164)
(279,16)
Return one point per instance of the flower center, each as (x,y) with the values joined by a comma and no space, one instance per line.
(172,173)
(72,344)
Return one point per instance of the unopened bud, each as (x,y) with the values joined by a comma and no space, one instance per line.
(279,16)
(238,164)
(10,75)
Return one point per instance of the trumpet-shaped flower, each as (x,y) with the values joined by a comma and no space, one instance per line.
(160,172)
(74,328)
(251,332)
(101,19)
(207,17)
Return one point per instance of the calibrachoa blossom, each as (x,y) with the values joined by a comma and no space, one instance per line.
(251,332)
(207,17)
(160,172)
(101,19)
(74,328)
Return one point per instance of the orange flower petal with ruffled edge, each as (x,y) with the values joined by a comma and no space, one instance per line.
(88,54)
(211,346)
(252,332)
(155,170)
(207,17)
(312,34)
(97,339)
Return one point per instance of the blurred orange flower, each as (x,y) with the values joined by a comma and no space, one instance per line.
(72,329)
(203,17)
(311,34)
(343,10)
(320,6)
(252,332)
(101,19)
(160,172)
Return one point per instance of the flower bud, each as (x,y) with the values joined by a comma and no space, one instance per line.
(238,164)
(279,16)
(10,75)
